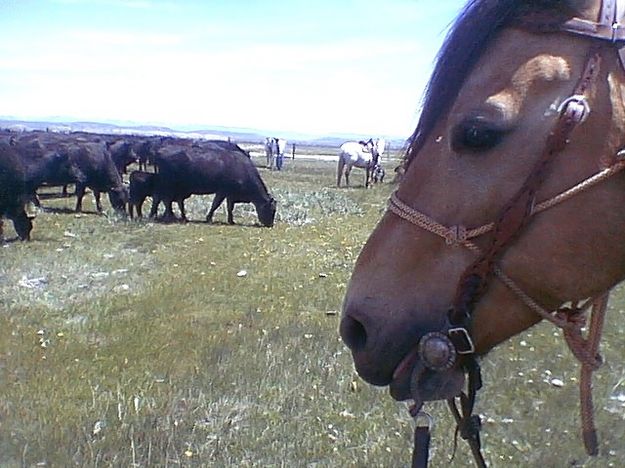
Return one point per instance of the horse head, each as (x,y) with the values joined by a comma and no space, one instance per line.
(519,115)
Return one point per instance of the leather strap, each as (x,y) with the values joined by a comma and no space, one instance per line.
(469,425)
(517,212)
(422,437)
(610,26)
(420,453)
(606,27)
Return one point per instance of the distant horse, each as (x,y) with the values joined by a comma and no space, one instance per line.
(511,209)
(362,154)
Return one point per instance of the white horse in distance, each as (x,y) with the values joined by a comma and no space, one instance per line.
(363,154)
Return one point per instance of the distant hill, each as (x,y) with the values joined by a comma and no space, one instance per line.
(214,132)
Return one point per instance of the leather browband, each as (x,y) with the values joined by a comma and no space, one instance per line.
(610,26)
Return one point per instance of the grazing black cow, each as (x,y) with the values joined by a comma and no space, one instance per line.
(13,192)
(122,154)
(223,169)
(146,148)
(37,170)
(199,144)
(43,161)
(83,160)
(143,185)
(92,166)
(222,144)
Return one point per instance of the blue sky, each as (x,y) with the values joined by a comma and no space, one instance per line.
(304,66)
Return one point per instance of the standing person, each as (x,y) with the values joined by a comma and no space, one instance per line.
(269,141)
(280,147)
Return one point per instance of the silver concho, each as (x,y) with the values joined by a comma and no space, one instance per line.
(575,107)
(436,351)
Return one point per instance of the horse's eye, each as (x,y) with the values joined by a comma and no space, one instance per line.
(476,135)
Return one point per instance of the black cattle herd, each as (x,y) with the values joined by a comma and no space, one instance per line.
(181,168)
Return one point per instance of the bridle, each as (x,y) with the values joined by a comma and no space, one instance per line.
(440,350)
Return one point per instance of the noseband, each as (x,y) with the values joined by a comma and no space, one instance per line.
(439,350)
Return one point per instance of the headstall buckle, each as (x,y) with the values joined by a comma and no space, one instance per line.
(422,418)
(462,340)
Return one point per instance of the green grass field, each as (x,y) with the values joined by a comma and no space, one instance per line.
(143,344)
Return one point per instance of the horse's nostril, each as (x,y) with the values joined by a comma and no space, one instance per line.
(353,333)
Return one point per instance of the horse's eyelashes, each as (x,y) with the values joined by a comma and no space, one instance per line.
(475,134)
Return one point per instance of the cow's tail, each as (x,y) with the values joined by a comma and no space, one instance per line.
(340,169)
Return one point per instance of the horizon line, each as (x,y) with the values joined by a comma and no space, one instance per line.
(184,128)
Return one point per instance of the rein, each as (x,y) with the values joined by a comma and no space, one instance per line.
(455,339)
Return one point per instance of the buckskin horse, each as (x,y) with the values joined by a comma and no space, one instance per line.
(510,210)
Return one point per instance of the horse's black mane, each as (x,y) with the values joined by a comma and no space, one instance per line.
(474,28)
